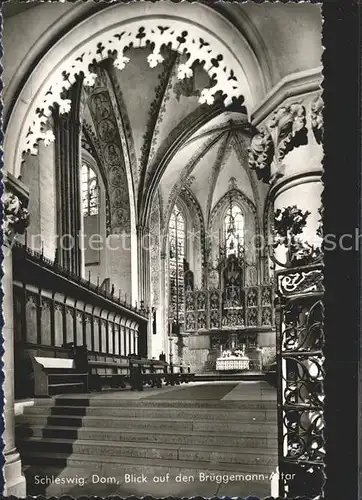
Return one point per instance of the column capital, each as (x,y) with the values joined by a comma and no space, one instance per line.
(294,86)
(15,202)
(297,123)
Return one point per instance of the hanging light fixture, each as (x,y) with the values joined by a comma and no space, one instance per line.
(231,244)
(231,220)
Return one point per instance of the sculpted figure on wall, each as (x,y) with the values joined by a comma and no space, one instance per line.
(261,153)
(317,118)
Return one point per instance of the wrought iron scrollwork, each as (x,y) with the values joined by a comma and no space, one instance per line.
(303,328)
(301,338)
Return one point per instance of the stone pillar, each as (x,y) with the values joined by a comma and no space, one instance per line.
(144,278)
(164,325)
(143,264)
(297,175)
(67,161)
(15,221)
(287,153)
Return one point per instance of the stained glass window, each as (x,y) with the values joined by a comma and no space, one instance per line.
(176,232)
(233,229)
(90,191)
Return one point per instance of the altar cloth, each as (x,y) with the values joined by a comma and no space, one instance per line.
(232,363)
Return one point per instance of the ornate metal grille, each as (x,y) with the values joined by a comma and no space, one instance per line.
(300,341)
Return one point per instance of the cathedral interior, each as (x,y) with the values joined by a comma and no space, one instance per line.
(153,152)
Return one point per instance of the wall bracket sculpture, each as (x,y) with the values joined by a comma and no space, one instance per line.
(285,131)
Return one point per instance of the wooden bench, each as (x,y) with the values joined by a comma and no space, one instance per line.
(179,374)
(57,375)
(147,372)
(174,374)
(113,372)
(189,376)
(117,371)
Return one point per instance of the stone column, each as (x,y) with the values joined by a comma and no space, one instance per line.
(164,325)
(67,129)
(15,221)
(296,172)
(67,132)
(143,264)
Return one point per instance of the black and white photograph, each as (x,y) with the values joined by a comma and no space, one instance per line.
(163,258)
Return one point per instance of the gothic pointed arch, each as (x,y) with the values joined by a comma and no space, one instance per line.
(170,147)
(186,178)
(198,235)
(221,205)
(125,134)
(93,161)
(91,148)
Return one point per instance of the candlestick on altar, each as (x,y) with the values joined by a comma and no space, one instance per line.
(98,281)
(26,238)
(89,276)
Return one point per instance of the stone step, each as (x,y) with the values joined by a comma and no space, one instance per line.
(132,465)
(223,376)
(150,424)
(248,440)
(151,403)
(199,453)
(172,413)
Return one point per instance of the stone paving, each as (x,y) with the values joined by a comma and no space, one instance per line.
(105,479)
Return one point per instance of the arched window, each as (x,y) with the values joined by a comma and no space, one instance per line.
(233,229)
(90,191)
(91,209)
(177,254)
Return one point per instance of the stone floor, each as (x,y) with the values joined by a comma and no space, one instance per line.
(110,479)
(242,390)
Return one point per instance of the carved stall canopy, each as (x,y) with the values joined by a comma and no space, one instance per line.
(55,310)
(40,272)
